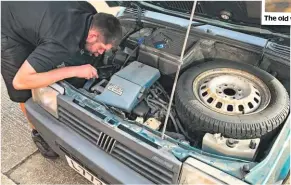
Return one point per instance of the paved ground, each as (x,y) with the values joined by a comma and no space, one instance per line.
(21,163)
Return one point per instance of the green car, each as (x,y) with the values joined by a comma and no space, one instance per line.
(229,119)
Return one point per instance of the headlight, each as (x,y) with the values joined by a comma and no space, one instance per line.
(46,97)
(196,172)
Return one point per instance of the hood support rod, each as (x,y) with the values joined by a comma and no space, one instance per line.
(178,70)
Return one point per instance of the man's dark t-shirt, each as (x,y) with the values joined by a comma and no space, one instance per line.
(44,33)
(54,29)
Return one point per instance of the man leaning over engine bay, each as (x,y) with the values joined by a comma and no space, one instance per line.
(37,37)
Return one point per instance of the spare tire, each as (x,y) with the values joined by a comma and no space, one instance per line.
(235,99)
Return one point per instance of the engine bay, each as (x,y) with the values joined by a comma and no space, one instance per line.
(135,83)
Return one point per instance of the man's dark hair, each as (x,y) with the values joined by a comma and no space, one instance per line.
(109,26)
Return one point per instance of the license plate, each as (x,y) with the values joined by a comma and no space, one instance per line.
(78,168)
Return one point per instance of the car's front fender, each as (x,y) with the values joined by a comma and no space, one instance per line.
(276,165)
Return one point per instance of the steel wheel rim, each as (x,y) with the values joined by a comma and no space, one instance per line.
(231,91)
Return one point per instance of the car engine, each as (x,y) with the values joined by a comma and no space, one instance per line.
(127,87)
(134,93)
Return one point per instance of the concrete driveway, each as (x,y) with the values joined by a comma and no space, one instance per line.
(21,163)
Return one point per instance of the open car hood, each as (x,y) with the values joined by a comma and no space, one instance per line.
(219,13)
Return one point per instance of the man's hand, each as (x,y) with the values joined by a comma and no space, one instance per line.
(28,78)
(85,71)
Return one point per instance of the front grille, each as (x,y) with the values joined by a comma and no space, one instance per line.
(106,142)
(142,165)
(77,125)
(146,167)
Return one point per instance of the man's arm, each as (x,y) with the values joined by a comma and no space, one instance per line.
(28,78)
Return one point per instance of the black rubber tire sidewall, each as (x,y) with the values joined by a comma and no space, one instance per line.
(197,117)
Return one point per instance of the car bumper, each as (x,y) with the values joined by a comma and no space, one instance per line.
(65,141)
